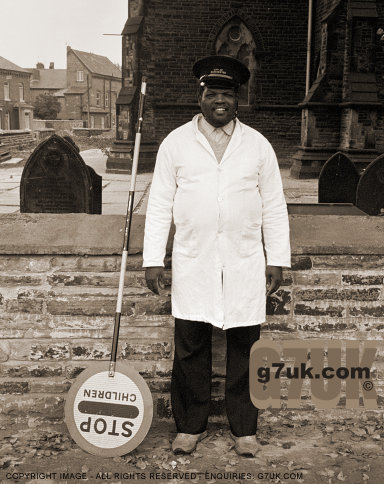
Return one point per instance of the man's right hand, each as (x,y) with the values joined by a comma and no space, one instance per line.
(154,277)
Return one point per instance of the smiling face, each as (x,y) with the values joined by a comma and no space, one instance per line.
(218,105)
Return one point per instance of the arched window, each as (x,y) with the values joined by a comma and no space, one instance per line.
(235,39)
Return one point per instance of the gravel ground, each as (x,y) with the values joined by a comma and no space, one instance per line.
(341,450)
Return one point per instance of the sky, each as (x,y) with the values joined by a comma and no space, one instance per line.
(39,30)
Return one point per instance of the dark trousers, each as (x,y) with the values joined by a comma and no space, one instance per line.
(191,377)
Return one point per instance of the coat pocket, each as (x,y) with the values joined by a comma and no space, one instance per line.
(250,242)
(185,241)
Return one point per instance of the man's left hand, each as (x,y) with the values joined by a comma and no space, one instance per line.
(274,276)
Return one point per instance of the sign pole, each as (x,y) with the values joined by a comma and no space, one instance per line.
(109,407)
(128,223)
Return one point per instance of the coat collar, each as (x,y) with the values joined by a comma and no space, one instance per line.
(209,129)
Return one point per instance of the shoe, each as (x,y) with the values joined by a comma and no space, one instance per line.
(246,446)
(186,443)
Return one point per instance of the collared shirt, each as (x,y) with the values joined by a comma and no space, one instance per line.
(218,138)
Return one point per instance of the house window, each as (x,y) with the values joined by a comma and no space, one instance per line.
(21,92)
(6,91)
(97,98)
(80,76)
(107,99)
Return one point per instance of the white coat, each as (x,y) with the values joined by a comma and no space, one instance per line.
(220,211)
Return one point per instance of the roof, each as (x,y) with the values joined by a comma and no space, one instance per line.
(132,25)
(10,66)
(50,79)
(126,95)
(98,64)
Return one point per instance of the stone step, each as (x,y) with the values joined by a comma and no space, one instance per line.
(5,154)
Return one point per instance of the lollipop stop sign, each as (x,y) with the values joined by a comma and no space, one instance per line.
(109,408)
(109,416)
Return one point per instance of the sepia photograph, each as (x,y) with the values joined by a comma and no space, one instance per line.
(192,241)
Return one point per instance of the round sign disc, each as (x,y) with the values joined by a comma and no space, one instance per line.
(109,416)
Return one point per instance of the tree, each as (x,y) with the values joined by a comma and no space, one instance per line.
(46,106)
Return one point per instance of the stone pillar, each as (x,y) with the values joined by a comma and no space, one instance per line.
(340,109)
(121,154)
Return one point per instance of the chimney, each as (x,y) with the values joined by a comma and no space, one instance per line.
(39,65)
(51,65)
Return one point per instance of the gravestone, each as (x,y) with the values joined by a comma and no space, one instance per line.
(96,182)
(68,138)
(370,190)
(55,179)
(338,180)
(96,190)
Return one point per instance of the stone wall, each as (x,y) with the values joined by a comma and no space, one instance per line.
(17,139)
(58,287)
(57,124)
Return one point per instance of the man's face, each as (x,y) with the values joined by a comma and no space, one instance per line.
(218,105)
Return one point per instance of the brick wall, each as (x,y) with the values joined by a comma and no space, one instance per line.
(176,34)
(76,105)
(58,293)
(57,124)
(74,65)
(266,120)
(14,79)
(13,105)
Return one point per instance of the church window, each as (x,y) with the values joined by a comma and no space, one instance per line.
(235,39)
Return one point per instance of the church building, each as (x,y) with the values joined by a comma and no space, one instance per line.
(317,74)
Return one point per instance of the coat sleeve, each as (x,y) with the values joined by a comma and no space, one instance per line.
(275,223)
(159,211)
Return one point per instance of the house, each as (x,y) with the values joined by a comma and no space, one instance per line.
(92,85)
(15,97)
(49,81)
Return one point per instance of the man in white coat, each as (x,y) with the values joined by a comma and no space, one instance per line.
(219,179)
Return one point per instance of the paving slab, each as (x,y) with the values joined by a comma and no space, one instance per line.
(9,209)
